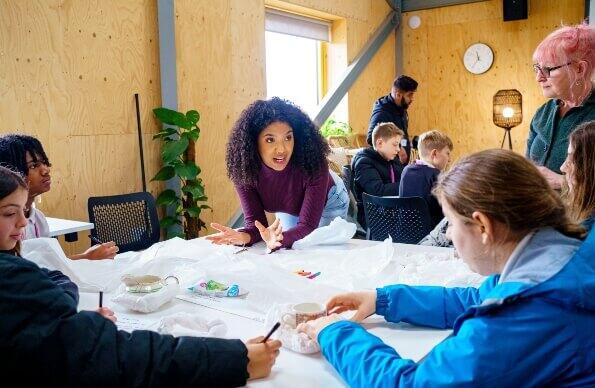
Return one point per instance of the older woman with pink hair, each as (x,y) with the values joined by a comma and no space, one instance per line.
(563,63)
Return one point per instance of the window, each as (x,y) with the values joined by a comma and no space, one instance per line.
(293,58)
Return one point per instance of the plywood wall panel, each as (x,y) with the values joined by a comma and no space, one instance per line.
(459,103)
(68,73)
(221,65)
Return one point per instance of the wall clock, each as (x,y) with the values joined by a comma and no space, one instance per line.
(478,58)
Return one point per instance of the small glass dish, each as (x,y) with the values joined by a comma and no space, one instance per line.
(145,283)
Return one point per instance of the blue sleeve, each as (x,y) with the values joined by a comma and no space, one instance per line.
(485,352)
(428,305)
(63,282)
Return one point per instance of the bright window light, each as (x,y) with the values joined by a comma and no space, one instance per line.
(292,69)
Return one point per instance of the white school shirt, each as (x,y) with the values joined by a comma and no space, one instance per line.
(37,225)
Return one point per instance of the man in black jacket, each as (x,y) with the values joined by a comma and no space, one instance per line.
(392,108)
(377,171)
(45,341)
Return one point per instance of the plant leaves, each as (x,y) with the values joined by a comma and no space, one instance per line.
(193,211)
(192,134)
(186,171)
(192,117)
(164,174)
(206,207)
(168,221)
(196,189)
(173,233)
(174,149)
(171,117)
(165,132)
(167,197)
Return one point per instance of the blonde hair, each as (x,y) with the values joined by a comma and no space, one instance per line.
(507,188)
(385,131)
(582,196)
(433,140)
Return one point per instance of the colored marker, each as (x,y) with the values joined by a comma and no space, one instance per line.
(314,275)
(100,299)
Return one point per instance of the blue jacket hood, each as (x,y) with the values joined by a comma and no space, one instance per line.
(564,276)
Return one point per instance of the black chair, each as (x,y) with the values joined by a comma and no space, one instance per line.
(347,176)
(407,220)
(130,220)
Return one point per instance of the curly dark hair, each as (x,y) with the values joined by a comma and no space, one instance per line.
(14,148)
(243,160)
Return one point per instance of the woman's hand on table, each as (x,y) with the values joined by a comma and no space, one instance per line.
(363,302)
(261,356)
(314,327)
(554,180)
(227,236)
(107,314)
(98,252)
(272,236)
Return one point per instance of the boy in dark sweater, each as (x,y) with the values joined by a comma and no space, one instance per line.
(377,170)
(418,179)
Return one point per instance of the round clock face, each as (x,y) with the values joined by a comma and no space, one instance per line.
(478,58)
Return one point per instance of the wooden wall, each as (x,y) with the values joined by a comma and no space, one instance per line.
(69,69)
(459,103)
(68,73)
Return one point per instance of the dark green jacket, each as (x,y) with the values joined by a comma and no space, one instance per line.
(548,134)
(45,342)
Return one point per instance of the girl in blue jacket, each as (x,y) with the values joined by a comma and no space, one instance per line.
(530,323)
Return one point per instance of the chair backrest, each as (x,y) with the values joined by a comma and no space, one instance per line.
(406,220)
(130,220)
(347,176)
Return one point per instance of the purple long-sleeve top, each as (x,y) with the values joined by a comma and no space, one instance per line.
(289,191)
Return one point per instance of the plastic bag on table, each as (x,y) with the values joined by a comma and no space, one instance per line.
(184,324)
(287,334)
(146,302)
(337,232)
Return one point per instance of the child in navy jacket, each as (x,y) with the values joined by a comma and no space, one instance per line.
(418,179)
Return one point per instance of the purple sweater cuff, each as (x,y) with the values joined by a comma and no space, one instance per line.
(254,235)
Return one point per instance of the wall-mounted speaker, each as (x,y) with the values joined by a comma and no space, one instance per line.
(515,10)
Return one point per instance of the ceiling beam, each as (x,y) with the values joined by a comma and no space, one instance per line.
(335,95)
(416,5)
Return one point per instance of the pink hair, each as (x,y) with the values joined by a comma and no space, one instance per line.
(567,44)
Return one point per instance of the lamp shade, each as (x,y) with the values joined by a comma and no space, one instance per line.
(508,108)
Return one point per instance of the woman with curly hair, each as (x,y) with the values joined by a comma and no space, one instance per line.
(579,168)
(277,160)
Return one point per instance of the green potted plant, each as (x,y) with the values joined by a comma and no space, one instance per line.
(179,136)
(332,127)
